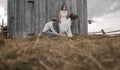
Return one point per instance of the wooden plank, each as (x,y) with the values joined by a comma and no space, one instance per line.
(41,14)
(18,19)
(11,18)
(44,17)
(14,26)
(86,17)
(23,19)
(9,14)
(37,14)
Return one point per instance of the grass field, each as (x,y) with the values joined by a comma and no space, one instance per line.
(45,53)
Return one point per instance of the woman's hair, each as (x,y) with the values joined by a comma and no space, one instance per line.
(63,7)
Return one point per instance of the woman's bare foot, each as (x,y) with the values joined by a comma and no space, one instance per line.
(62,34)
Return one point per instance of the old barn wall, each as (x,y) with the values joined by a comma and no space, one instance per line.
(29,16)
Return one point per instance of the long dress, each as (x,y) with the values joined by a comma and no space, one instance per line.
(65,25)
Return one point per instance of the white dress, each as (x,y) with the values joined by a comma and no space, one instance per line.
(65,25)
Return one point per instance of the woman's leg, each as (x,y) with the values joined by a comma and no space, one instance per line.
(69,32)
(61,28)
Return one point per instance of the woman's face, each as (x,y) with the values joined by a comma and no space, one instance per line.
(64,8)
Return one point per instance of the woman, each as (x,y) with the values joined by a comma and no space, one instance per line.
(65,23)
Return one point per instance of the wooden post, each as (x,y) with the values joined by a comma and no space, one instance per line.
(2,22)
(103,32)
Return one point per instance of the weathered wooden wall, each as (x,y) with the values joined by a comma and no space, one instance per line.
(29,16)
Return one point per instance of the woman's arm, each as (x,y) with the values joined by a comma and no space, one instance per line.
(60,17)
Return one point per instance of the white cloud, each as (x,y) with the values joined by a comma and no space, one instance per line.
(113,6)
(2,11)
(3,15)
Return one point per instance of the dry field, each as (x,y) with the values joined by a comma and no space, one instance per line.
(45,53)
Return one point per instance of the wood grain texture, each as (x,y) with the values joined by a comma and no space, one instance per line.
(29,16)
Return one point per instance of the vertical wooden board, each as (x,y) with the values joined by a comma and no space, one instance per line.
(33,18)
(86,17)
(48,10)
(79,12)
(55,11)
(20,23)
(44,16)
(81,18)
(23,18)
(28,18)
(83,23)
(10,18)
(40,2)
(41,15)
(52,9)
(68,4)
(9,14)
(9,6)
(15,20)
(74,23)
(18,18)
(37,14)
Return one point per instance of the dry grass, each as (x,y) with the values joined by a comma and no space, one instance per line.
(45,53)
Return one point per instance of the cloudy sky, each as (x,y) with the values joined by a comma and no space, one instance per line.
(3,8)
(105,13)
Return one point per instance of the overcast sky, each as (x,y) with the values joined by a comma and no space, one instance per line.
(3,10)
(105,13)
